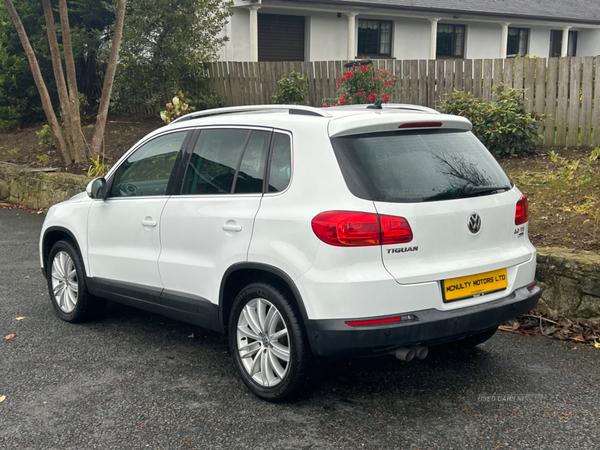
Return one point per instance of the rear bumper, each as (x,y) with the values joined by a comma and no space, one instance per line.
(334,338)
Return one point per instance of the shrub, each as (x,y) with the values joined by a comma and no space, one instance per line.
(503,125)
(45,136)
(361,84)
(292,90)
(180,106)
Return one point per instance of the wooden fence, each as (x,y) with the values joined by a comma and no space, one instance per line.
(562,88)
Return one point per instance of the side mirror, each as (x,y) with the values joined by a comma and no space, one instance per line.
(96,188)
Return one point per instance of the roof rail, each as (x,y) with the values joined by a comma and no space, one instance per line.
(292,109)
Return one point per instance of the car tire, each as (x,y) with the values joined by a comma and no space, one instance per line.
(476,339)
(67,285)
(268,342)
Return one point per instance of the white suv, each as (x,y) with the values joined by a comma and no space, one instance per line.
(299,231)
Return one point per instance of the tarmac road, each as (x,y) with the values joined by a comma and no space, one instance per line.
(136,380)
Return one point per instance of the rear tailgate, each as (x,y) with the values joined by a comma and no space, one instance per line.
(444,248)
(439,177)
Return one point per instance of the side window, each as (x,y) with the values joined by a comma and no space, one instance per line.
(281,163)
(147,170)
(226,161)
(250,176)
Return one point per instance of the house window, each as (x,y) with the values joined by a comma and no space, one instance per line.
(374,37)
(451,41)
(281,37)
(556,43)
(517,42)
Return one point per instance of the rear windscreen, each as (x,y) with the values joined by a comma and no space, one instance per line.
(416,166)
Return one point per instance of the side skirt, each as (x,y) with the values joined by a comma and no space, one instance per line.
(191,309)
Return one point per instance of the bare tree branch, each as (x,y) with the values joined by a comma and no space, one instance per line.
(78,151)
(59,76)
(109,77)
(63,151)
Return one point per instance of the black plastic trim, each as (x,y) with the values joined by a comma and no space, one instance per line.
(335,338)
(266,268)
(46,253)
(187,308)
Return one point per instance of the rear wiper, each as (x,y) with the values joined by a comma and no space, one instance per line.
(469,189)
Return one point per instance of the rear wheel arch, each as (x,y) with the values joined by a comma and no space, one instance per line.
(240,275)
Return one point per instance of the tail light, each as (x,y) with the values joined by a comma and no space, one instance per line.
(522,211)
(359,229)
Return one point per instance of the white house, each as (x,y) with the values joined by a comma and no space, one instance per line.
(303,30)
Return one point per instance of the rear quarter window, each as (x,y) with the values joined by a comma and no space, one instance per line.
(414,166)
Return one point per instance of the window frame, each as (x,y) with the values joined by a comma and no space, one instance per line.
(514,55)
(573,37)
(453,56)
(378,54)
(189,149)
(269,162)
(177,165)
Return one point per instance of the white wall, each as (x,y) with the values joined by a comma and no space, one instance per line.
(483,40)
(328,37)
(539,41)
(411,38)
(588,43)
(240,35)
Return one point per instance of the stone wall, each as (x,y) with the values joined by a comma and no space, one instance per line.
(571,283)
(35,189)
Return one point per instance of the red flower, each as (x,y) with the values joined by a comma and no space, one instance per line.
(364,68)
(372,97)
(342,101)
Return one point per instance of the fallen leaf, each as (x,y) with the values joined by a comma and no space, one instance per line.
(20,318)
(10,336)
(2,398)
(596,344)
(191,336)
(27,276)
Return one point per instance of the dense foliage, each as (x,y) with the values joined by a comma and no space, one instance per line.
(291,90)
(503,125)
(164,48)
(363,83)
(20,103)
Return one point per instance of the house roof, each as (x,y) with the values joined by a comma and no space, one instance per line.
(582,11)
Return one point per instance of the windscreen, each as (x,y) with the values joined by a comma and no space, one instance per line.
(417,166)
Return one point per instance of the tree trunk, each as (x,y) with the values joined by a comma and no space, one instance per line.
(109,77)
(63,151)
(63,95)
(79,152)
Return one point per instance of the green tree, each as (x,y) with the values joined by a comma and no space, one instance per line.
(90,21)
(71,149)
(165,45)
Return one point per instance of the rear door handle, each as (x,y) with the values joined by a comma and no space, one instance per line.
(230,225)
(148,222)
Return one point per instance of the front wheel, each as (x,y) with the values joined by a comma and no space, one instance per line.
(67,286)
(268,342)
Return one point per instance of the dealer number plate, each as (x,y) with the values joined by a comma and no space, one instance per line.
(474,285)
